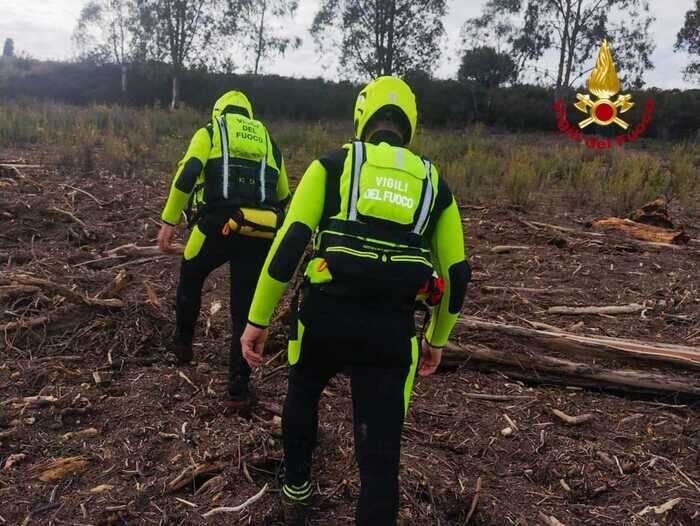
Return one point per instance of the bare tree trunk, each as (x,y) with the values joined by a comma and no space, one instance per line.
(572,44)
(390,39)
(562,50)
(261,29)
(476,107)
(124,82)
(176,91)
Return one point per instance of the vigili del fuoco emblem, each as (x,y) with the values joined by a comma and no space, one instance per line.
(603,106)
(604,84)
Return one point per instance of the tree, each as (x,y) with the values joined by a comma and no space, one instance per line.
(8,50)
(487,67)
(255,24)
(688,40)
(105,33)
(178,32)
(572,28)
(381,37)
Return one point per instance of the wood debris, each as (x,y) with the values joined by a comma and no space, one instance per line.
(60,468)
(572,420)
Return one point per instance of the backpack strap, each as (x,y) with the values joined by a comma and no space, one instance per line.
(263,169)
(224,153)
(358,160)
(427,201)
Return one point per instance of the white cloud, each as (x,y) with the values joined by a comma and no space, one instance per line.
(43,29)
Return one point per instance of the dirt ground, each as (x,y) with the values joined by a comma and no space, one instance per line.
(131,422)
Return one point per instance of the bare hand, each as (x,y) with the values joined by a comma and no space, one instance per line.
(430,358)
(253,343)
(165,238)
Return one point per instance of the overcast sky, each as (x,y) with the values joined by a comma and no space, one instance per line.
(42,28)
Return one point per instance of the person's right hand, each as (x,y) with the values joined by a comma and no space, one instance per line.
(430,358)
(165,238)
(253,344)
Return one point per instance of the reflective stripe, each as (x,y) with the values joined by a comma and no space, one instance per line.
(224,152)
(298,496)
(294,345)
(358,253)
(263,165)
(427,201)
(410,377)
(355,188)
(300,490)
(410,259)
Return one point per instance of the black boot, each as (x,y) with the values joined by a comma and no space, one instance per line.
(240,394)
(296,503)
(181,347)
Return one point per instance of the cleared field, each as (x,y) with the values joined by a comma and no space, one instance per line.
(133,426)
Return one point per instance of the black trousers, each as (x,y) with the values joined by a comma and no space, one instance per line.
(381,374)
(246,256)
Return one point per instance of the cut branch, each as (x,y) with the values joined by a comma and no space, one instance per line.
(611,310)
(191,473)
(24,324)
(572,420)
(133,250)
(240,507)
(69,294)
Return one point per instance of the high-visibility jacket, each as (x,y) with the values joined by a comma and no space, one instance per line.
(384,221)
(230,163)
(376,243)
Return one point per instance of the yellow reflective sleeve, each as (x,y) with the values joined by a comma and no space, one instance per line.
(447,250)
(305,211)
(282,184)
(179,196)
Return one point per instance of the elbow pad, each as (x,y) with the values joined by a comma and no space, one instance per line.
(460,276)
(289,252)
(188,177)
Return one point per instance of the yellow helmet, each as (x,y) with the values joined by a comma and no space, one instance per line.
(390,93)
(236,99)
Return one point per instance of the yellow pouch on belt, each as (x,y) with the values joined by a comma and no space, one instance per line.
(253,222)
(318,272)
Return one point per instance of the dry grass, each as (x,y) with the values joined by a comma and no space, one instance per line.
(480,166)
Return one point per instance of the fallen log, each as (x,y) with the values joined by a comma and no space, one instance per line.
(611,310)
(579,345)
(654,213)
(547,369)
(643,232)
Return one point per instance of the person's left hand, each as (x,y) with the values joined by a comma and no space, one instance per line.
(252,344)
(430,358)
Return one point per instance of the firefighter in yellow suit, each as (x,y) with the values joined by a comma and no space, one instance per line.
(383,222)
(234,175)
